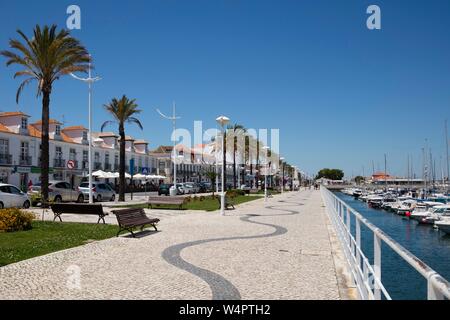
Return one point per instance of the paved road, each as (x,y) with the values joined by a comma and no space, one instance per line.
(282,249)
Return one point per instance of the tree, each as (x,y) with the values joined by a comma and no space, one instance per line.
(123,111)
(360,179)
(212,176)
(332,174)
(46,57)
(236,130)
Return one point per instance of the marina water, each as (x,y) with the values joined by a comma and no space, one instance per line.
(424,241)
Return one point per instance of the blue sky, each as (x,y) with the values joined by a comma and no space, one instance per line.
(342,95)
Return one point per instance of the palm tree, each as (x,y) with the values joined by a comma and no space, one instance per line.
(45,58)
(236,130)
(211,174)
(123,111)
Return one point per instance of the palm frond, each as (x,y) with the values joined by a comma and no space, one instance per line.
(105,124)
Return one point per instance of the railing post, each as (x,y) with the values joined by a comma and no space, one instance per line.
(377,265)
(358,240)
(348,221)
(433,293)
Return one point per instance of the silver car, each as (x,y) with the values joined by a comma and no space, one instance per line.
(100,191)
(58,191)
(12,197)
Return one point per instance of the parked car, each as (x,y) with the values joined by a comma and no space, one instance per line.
(205,187)
(100,191)
(164,189)
(181,189)
(12,197)
(245,188)
(191,187)
(58,191)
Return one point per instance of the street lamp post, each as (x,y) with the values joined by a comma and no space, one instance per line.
(89,80)
(267,171)
(173,118)
(222,121)
(282,174)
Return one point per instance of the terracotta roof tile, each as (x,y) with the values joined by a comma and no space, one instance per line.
(74,128)
(107,134)
(4,129)
(13,113)
(33,132)
(66,138)
(140,142)
(51,121)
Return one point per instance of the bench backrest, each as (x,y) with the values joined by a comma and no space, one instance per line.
(127,217)
(166,200)
(80,208)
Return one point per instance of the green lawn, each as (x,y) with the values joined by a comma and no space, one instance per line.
(47,237)
(208,204)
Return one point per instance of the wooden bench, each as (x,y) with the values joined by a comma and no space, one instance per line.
(229,203)
(179,201)
(78,208)
(131,218)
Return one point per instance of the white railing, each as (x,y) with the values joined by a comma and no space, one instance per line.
(365,276)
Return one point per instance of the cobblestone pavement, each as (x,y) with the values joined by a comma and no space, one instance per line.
(282,249)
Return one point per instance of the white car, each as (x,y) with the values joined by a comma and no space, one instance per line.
(12,197)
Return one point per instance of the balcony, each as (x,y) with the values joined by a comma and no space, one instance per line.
(97,166)
(5,159)
(59,163)
(25,160)
(85,165)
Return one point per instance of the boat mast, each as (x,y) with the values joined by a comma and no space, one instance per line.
(385,172)
(409,180)
(446,145)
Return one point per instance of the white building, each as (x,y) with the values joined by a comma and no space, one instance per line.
(20,144)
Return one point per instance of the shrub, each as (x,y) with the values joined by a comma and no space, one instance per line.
(233,193)
(15,220)
(202,198)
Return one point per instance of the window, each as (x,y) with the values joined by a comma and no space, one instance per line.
(58,130)
(97,157)
(24,123)
(24,147)
(116,158)
(85,135)
(73,154)
(106,157)
(85,155)
(4,146)
(58,152)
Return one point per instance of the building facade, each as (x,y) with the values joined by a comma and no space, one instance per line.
(20,150)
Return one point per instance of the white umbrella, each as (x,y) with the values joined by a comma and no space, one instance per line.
(139,177)
(98,173)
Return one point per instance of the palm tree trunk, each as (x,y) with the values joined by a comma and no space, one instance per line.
(122,182)
(45,145)
(234,162)
(224,163)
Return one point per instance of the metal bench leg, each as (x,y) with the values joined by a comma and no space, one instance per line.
(154,226)
(57,215)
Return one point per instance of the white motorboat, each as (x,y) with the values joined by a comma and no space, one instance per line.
(429,212)
(443,224)
(406,206)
